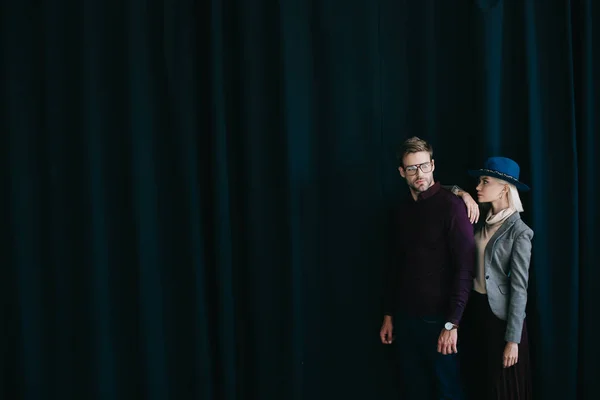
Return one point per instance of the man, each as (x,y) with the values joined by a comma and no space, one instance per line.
(429,281)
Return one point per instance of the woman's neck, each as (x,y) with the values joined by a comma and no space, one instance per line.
(499,205)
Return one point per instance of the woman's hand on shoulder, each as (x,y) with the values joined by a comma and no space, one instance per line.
(472,206)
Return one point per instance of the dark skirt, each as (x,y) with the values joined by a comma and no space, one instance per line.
(482,346)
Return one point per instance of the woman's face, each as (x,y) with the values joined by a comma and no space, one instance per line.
(490,189)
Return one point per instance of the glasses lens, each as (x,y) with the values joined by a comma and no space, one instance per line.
(411,170)
(426,167)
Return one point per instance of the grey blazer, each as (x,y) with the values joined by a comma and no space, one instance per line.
(507,256)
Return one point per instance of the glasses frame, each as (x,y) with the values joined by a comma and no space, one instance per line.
(416,167)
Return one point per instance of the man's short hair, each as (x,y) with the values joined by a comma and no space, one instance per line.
(413,145)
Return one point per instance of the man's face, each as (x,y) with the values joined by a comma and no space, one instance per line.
(412,170)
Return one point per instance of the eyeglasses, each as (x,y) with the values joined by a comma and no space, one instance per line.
(424,167)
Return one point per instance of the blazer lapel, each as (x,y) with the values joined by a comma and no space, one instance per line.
(501,231)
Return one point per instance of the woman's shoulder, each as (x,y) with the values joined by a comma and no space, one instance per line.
(522,229)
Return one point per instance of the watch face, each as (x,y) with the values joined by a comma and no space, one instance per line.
(448,326)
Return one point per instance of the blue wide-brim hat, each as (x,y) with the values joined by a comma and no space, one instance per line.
(501,168)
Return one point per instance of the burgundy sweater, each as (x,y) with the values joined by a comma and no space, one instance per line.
(433,257)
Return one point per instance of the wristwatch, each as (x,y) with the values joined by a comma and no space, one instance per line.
(449,326)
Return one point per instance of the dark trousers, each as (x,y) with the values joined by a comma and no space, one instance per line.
(425,373)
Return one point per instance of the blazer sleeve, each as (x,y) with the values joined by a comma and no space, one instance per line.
(519,278)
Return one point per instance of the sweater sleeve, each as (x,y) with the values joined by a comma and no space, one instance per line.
(462,252)
(390,283)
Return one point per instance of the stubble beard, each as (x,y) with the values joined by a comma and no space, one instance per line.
(423,187)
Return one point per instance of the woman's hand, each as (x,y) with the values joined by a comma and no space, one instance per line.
(511,354)
(472,206)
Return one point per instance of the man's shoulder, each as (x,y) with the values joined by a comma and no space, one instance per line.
(403,203)
(447,197)
(453,206)
(399,207)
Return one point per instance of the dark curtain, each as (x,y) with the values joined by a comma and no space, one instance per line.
(194,193)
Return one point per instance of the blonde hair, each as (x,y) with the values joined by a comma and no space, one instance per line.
(514,200)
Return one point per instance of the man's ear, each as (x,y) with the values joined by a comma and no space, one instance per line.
(402,172)
(432,165)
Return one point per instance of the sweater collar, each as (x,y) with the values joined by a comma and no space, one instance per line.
(429,192)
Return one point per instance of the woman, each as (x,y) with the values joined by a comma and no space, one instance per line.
(493,333)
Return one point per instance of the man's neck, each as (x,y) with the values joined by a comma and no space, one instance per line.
(415,194)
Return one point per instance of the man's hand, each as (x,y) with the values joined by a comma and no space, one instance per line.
(386,330)
(447,342)
(472,206)
(511,355)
